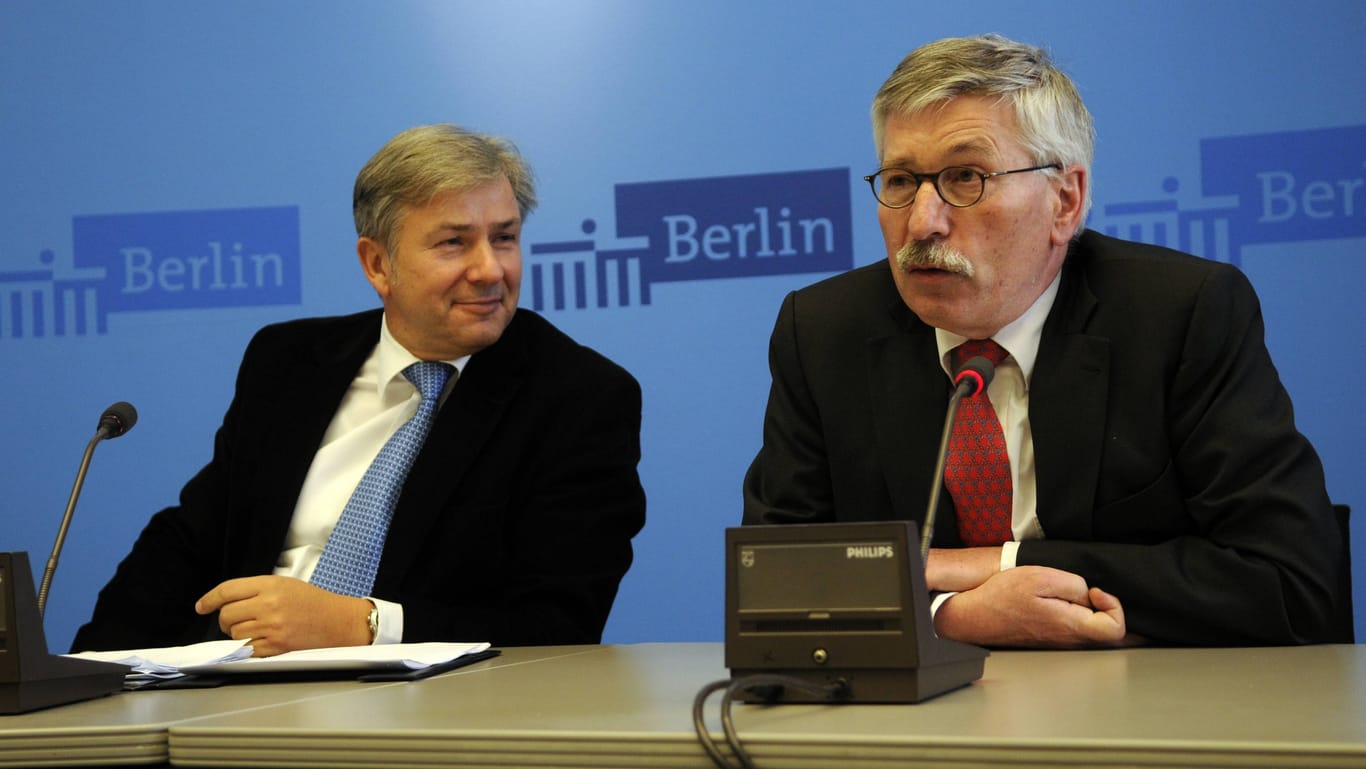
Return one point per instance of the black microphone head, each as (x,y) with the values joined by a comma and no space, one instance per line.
(118,419)
(977,373)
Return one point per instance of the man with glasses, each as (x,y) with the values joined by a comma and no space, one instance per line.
(1132,474)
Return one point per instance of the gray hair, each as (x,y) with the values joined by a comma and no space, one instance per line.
(1055,126)
(422,162)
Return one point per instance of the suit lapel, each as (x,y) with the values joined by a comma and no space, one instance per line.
(466,423)
(305,396)
(908,394)
(1067,403)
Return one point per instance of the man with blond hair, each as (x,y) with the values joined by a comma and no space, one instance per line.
(447,467)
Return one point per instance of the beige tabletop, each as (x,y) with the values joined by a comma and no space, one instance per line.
(133,727)
(630,706)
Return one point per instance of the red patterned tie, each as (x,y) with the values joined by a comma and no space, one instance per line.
(977,471)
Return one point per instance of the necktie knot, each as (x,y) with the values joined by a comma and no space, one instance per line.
(986,348)
(429,377)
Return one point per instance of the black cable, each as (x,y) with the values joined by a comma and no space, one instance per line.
(700,726)
(728,726)
(769,688)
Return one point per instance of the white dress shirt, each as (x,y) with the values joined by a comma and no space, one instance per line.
(378,402)
(1009,393)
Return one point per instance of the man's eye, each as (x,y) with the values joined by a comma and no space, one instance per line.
(960,175)
(893,181)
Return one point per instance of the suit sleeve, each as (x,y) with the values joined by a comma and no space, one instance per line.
(1253,560)
(789,479)
(579,521)
(176,558)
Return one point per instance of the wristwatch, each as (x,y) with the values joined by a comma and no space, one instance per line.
(373,621)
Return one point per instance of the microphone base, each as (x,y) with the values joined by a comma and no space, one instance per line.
(30,677)
(843,606)
(872,685)
(59,687)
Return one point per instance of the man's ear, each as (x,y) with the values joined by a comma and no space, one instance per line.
(374,259)
(1071,192)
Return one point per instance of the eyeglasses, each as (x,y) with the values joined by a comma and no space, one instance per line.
(959,186)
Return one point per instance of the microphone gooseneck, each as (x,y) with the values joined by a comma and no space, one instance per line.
(972,378)
(115,421)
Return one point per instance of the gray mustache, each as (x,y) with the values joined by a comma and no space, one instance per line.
(918,254)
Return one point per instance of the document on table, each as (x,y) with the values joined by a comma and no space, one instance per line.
(227,658)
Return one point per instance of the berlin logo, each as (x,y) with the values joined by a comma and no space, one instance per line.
(155,261)
(1295,186)
(699,229)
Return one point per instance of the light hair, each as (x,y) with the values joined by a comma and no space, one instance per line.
(1055,126)
(422,162)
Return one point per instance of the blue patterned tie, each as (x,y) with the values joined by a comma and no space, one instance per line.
(351,557)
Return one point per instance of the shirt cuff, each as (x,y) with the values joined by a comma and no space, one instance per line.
(390,622)
(1008,554)
(1009,550)
(937,600)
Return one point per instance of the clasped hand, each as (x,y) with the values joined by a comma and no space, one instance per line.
(1026,606)
(281,614)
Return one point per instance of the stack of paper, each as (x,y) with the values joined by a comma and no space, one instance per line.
(152,665)
(233,657)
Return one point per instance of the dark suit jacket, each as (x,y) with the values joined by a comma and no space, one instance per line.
(514,525)
(1169,469)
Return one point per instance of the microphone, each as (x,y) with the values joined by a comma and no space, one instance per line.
(971,378)
(975,374)
(30,677)
(115,421)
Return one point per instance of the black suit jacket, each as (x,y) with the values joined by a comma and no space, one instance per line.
(513,527)
(1169,469)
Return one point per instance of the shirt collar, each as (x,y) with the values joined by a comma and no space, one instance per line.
(1020,337)
(392,358)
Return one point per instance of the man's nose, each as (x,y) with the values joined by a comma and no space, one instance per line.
(484,266)
(927,215)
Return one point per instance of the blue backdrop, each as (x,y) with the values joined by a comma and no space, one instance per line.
(178,174)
